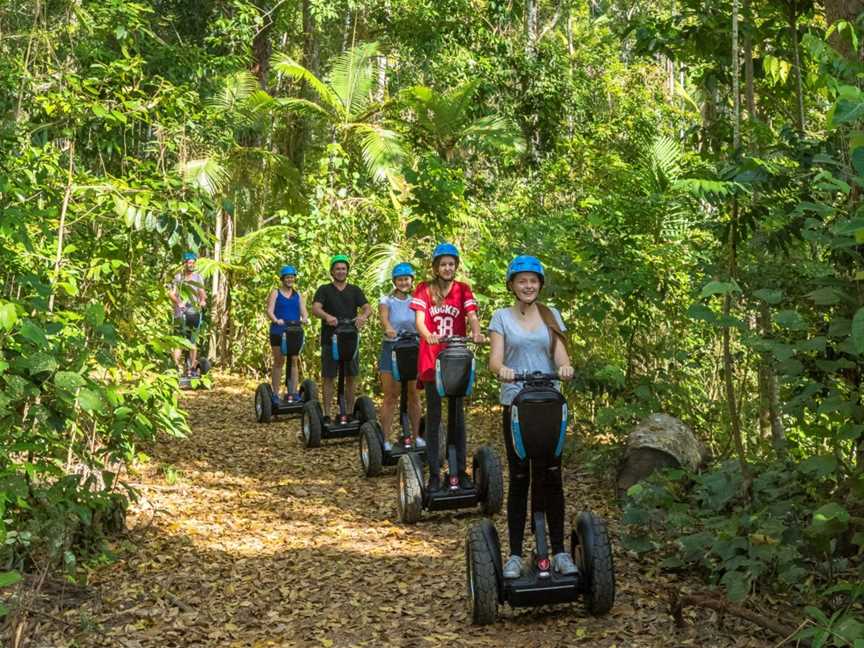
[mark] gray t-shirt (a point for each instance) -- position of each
(187, 290)
(524, 350)
(402, 318)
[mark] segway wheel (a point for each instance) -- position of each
(410, 478)
(364, 410)
(489, 479)
(480, 562)
(308, 391)
(311, 424)
(592, 552)
(204, 366)
(263, 403)
(371, 452)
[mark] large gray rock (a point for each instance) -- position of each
(658, 441)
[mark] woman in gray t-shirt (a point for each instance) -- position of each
(528, 337)
(397, 317)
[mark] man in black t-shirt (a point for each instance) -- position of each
(332, 302)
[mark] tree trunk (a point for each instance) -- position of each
(220, 348)
(532, 120)
(796, 63)
(262, 50)
(847, 10)
(749, 92)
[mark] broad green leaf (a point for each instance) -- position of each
(8, 578)
(857, 332)
(769, 295)
(69, 380)
(90, 400)
(8, 316)
(819, 466)
(719, 288)
(790, 319)
(829, 520)
(33, 332)
(826, 296)
(737, 585)
(40, 362)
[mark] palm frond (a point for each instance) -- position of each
(302, 107)
(382, 149)
(207, 174)
(286, 65)
(259, 101)
(497, 132)
(664, 162)
(233, 92)
(248, 250)
(352, 78)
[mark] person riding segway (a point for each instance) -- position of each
(528, 345)
(189, 301)
(337, 305)
(444, 308)
(397, 365)
(286, 310)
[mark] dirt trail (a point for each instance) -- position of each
(262, 543)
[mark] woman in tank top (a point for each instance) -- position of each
(284, 305)
(397, 317)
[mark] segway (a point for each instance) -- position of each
(345, 345)
(291, 403)
(454, 378)
(373, 453)
(538, 424)
(192, 321)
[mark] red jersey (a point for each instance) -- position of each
(448, 318)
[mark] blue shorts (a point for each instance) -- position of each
(385, 357)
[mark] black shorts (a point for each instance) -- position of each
(330, 367)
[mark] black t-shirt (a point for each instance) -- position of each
(341, 304)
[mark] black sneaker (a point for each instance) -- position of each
(465, 482)
(434, 484)
(326, 420)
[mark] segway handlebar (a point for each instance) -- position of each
(534, 377)
(457, 339)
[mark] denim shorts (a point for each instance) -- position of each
(385, 357)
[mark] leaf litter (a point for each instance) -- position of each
(260, 542)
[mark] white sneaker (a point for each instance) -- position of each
(563, 564)
(513, 567)
(419, 442)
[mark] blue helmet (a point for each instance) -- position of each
(402, 270)
(287, 270)
(189, 256)
(525, 263)
(445, 249)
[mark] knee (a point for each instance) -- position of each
(553, 476)
(520, 479)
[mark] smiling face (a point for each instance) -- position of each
(339, 272)
(288, 281)
(445, 267)
(189, 264)
(404, 284)
(526, 286)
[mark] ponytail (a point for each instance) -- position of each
(556, 335)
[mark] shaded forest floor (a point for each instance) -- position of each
(243, 538)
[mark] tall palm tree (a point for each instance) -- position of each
(346, 102)
(444, 122)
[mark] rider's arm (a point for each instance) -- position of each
(562, 361)
(318, 310)
(271, 307)
(365, 311)
(304, 314)
(384, 316)
(496, 352)
(174, 294)
(474, 322)
(425, 333)
(202, 297)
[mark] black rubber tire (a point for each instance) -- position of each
(263, 403)
(364, 410)
(480, 575)
(371, 450)
(489, 478)
(308, 391)
(311, 424)
(204, 366)
(592, 551)
(410, 482)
